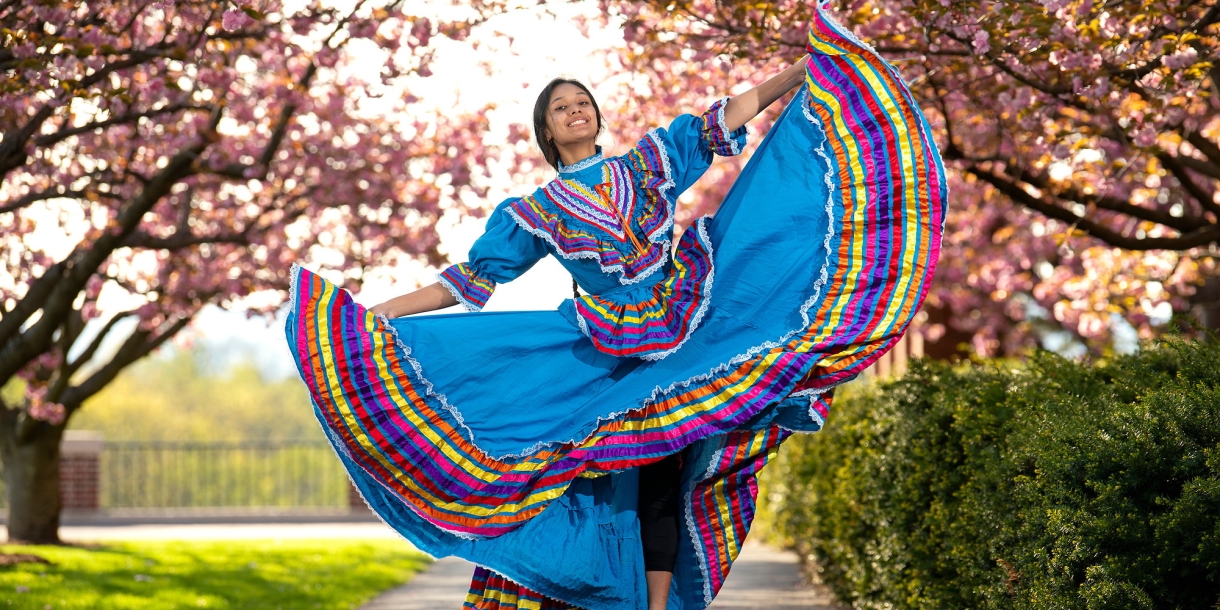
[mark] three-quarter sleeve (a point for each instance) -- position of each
(691, 141)
(501, 254)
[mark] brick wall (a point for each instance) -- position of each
(80, 470)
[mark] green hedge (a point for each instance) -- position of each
(1048, 484)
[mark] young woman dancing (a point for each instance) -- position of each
(604, 455)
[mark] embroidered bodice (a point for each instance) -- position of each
(610, 222)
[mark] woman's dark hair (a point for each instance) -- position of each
(549, 150)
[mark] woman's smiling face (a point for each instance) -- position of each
(570, 116)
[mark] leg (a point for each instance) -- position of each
(658, 511)
(658, 588)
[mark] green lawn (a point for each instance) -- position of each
(262, 575)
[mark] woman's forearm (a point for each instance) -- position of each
(746, 106)
(428, 298)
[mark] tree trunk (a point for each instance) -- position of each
(1205, 303)
(31, 479)
(954, 345)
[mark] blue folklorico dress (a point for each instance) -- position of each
(513, 439)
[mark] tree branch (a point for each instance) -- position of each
(1203, 167)
(1205, 146)
(179, 240)
(82, 264)
(993, 57)
(139, 344)
(238, 171)
(71, 329)
(1205, 21)
(31, 198)
(1182, 224)
(1199, 237)
(34, 299)
(52, 138)
(12, 147)
(96, 343)
(907, 50)
(1180, 172)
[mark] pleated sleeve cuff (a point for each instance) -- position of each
(467, 286)
(717, 136)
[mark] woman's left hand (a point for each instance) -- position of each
(384, 309)
(429, 298)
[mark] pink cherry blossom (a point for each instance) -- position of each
(234, 19)
(1103, 111)
(188, 156)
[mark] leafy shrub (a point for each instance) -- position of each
(1049, 484)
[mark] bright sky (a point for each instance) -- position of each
(521, 68)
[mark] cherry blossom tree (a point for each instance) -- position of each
(176, 153)
(1080, 135)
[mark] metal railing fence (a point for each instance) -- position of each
(284, 474)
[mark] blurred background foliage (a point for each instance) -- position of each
(183, 396)
(1045, 484)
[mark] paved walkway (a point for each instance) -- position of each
(762, 579)
(230, 531)
(441, 587)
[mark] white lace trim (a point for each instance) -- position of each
(814, 395)
(607, 220)
(701, 226)
(693, 530)
(586, 163)
(697, 544)
(657, 392)
(724, 129)
(290, 307)
(818, 285)
(659, 236)
(584, 326)
(339, 447)
(667, 169)
(928, 140)
(545, 236)
(844, 32)
(531, 586)
(429, 390)
(457, 294)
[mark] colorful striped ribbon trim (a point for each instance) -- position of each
(719, 139)
(887, 178)
(891, 186)
(379, 409)
(644, 175)
(720, 508)
(657, 326)
(491, 591)
(888, 198)
(467, 286)
(581, 201)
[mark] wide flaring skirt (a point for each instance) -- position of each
(509, 440)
